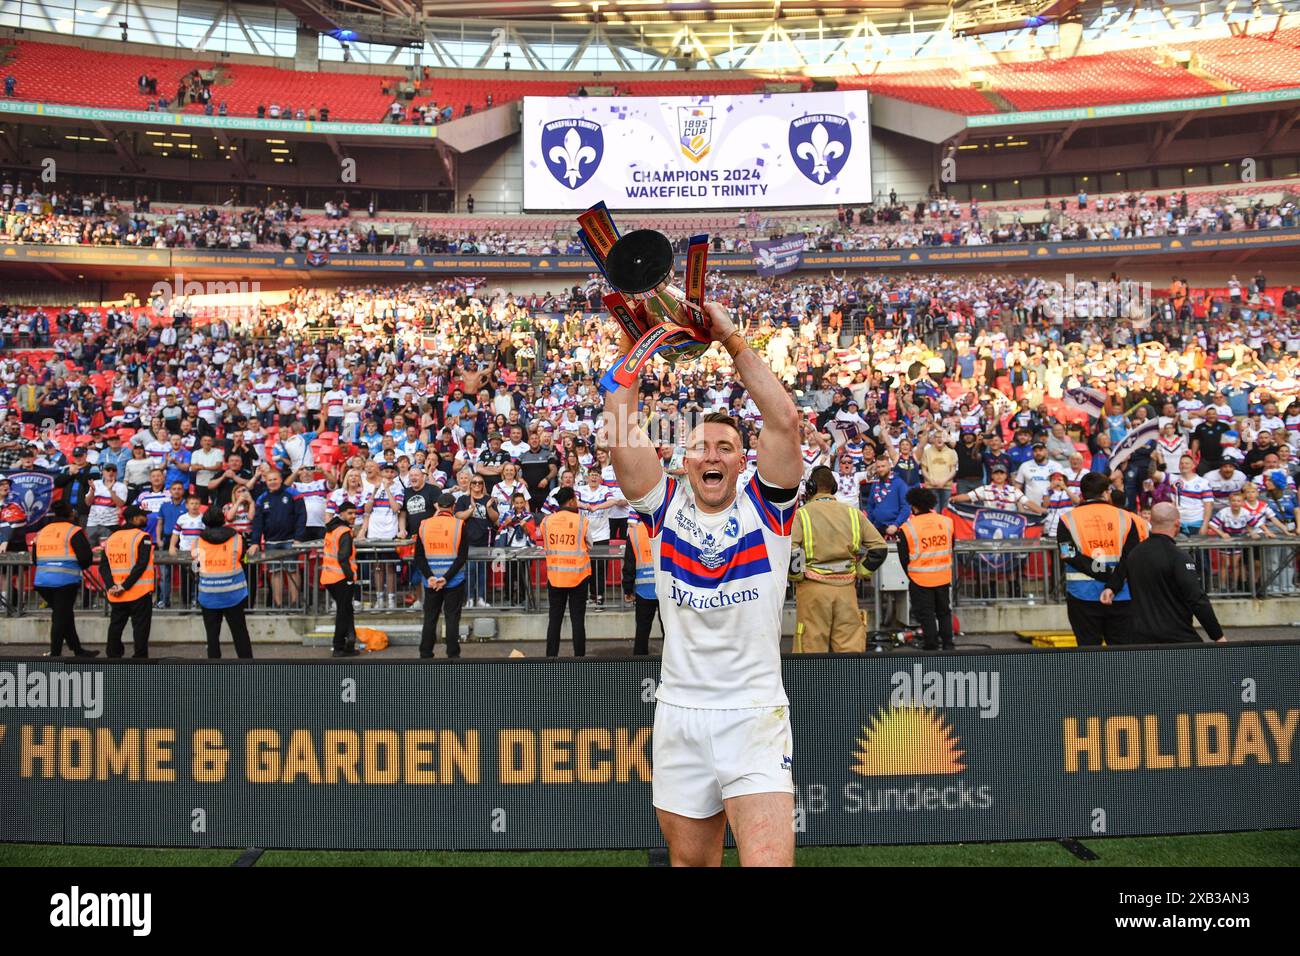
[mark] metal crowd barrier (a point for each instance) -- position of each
(1020, 571)
(287, 581)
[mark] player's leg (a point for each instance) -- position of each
(693, 842)
(686, 793)
(763, 824)
(753, 761)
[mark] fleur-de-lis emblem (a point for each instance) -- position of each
(820, 149)
(573, 154)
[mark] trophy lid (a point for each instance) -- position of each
(639, 261)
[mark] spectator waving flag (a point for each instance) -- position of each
(1083, 399)
(1134, 440)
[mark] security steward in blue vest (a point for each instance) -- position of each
(1093, 538)
(62, 553)
(223, 585)
(639, 582)
(441, 552)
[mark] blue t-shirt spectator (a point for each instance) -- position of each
(167, 516)
(1238, 399)
(176, 474)
(1018, 455)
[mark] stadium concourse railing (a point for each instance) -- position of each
(1019, 571)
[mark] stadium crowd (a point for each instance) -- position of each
(29, 216)
(993, 389)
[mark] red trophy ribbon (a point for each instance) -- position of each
(660, 318)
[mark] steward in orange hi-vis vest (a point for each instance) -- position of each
(338, 575)
(223, 583)
(441, 553)
(564, 535)
(1092, 539)
(62, 554)
(568, 566)
(929, 547)
(128, 571)
(121, 549)
(338, 553)
(925, 552)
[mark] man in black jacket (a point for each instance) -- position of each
(75, 482)
(1165, 586)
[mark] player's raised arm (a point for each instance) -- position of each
(779, 459)
(636, 463)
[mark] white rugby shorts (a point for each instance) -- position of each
(702, 757)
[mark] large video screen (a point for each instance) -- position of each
(691, 153)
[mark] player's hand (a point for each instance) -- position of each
(1107, 596)
(720, 324)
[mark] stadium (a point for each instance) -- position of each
(331, 290)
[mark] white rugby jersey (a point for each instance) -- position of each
(1237, 524)
(188, 527)
(336, 497)
(597, 521)
(1036, 479)
(1192, 494)
(314, 495)
(1005, 497)
(721, 581)
(1059, 504)
(812, 457)
(103, 513)
(1224, 487)
(610, 481)
(849, 487)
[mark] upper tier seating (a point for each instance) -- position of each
(57, 73)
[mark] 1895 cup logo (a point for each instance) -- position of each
(572, 149)
(695, 131)
(820, 145)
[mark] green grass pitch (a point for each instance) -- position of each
(1266, 848)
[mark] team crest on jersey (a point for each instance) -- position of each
(712, 552)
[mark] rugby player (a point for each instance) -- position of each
(722, 747)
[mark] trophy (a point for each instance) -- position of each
(660, 318)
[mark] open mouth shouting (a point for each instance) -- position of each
(713, 478)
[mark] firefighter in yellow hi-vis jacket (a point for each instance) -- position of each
(834, 545)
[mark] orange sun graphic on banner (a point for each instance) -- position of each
(903, 741)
